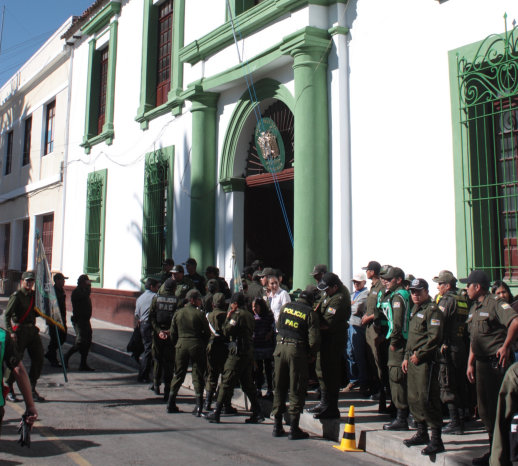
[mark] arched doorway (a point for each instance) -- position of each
(269, 175)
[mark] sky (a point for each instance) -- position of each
(27, 25)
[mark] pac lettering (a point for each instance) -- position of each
(291, 323)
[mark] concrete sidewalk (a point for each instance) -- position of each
(110, 341)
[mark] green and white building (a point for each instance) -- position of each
(294, 131)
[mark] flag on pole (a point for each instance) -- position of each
(45, 300)
(236, 276)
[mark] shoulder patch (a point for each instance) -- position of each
(396, 305)
(506, 306)
(442, 308)
(232, 322)
(331, 310)
(435, 322)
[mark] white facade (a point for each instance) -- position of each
(391, 158)
(34, 190)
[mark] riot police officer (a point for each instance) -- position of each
(298, 340)
(161, 314)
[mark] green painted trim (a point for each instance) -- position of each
(203, 176)
(248, 22)
(97, 279)
(110, 88)
(107, 134)
(265, 88)
(102, 18)
(338, 30)
(148, 110)
(230, 185)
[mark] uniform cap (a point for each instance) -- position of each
(319, 268)
(374, 266)
(359, 277)
(384, 269)
(193, 294)
(267, 271)
(477, 276)
(168, 262)
(191, 261)
(218, 300)
(409, 277)
(29, 275)
(419, 284)
(177, 269)
(393, 272)
(445, 276)
(212, 285)
(329, 279)
(60, 276)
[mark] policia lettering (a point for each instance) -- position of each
(298, 318)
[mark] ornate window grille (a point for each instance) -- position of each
(488, 116)
(155, 212)
(94, 229)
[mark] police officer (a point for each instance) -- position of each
(161, 314)
(377, 344)
(493, 327)
(454, 354)
(20, 322)
(239, 328)
(211, 290)
(298, 340)
(334, 311)
(217, 350)
(11, 360)
(54, 331)
(183, 283)
(393, 310)
(212, 272)
(81, 315)
(420, 365)
(195, 277)
(167, 266)
(190, 334)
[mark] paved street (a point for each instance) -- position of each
(105, 417)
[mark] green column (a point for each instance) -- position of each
(309, 49)
(110, 87)
(203, 177)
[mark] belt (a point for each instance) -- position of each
(290, 341)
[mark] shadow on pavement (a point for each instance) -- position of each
(43, 448)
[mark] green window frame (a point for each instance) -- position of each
(158, 210)
(93, 264)
(148, 110)
(239, 6)
(107, 16)
(484, 92)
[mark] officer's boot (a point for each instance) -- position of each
(400, 423)
(435, 446)
(257, 414)
(171, 403)
(228, 408)
(420, 437)
(278, 430)
(330, 409)
(215, 415)
(295, 432)
(455, 426)
(319, 406)
(199, 406)
(167, 388)
(209, 395)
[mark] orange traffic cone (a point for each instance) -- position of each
(348, 442)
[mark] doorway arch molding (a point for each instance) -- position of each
(264, 89)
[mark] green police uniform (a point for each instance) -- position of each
(487, 324)
(163, 306)
(27, 333)
(297, 340)
(217, 350)
(182, 287)
(239, 329)
(10, 358)
(506, 410)
(377, 344)
(393, 311)
(190, 334)
(81, 315)
(335, 312)
(424, 339)
(454, 357)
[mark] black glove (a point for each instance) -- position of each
(24, 430)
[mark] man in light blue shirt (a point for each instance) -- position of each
(142, 321)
